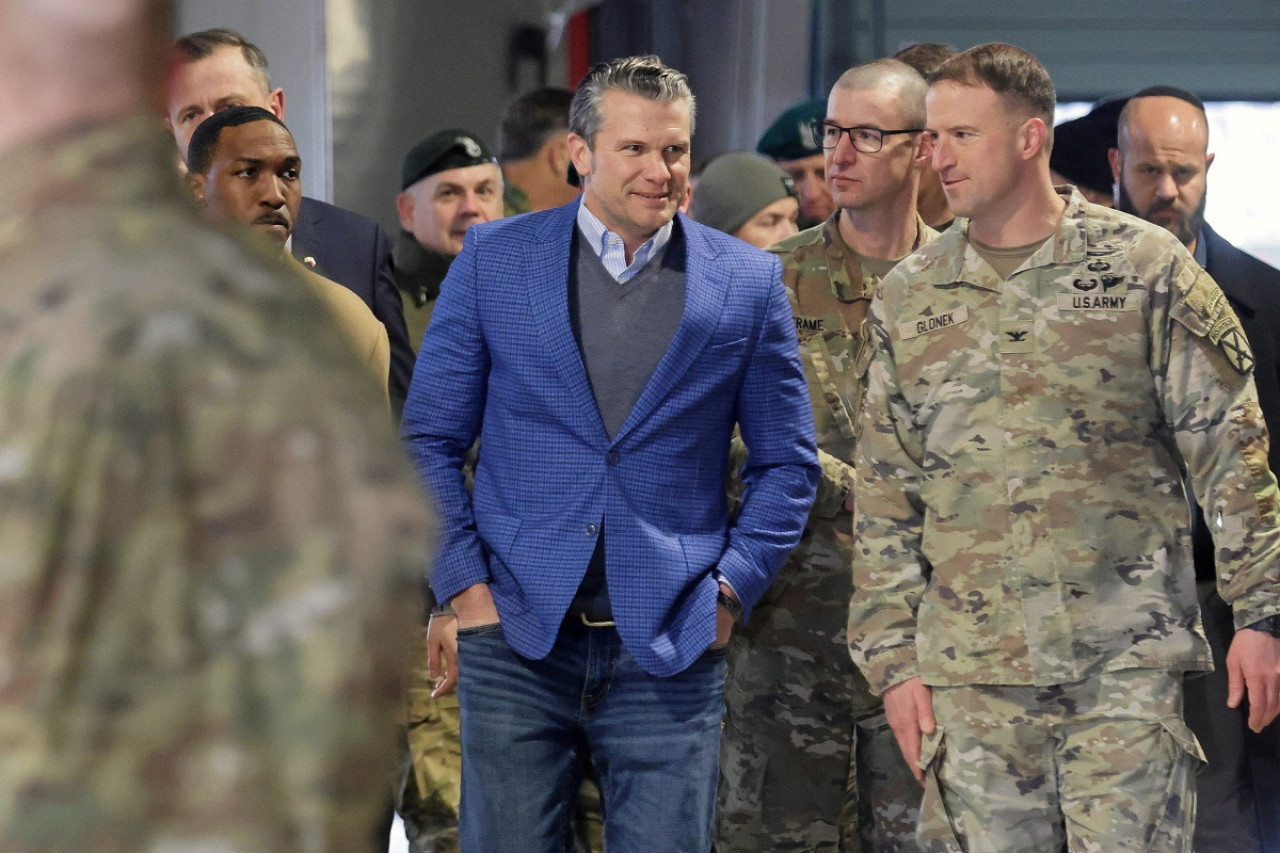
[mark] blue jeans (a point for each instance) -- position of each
(527, 724)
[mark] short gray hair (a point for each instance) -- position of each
(645, 76)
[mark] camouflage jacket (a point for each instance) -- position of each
(1020, 515)
(211, 539)
(829, 298)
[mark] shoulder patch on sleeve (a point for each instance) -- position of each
(1217, 322)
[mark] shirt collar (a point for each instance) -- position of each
(1201, 253)
(609, 247)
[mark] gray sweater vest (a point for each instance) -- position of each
(623, 330)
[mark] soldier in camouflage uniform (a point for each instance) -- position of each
(807, 760)
(1040, 377)
(212, 540)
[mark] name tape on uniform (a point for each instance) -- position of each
(1095, 302)
(818, 324)
(932, 323)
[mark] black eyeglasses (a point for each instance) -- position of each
(868, 140)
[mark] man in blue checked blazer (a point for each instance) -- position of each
(603, 353)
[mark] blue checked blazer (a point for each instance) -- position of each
(500, 361)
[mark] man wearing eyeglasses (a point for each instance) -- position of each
(808, 761)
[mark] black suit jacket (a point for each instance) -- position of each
(354, 251)
(1253, 289)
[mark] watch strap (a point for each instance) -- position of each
(728, 602)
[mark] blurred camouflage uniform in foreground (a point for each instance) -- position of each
(212, 541)
(808, 762)
(1021, 519)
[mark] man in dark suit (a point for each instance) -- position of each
(216, 69)
(1160, 165)
(604, 352)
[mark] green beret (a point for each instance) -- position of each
(789, 137)
(445, 149)
(735, 187)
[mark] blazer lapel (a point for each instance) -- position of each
(705, 289)
(548, 289)
(302, 244)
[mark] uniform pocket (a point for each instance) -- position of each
(1173, 818)
(938, 831)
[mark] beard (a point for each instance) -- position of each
(1185, 227)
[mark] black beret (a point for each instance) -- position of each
(445, 149)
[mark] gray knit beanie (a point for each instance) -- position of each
(735, 187)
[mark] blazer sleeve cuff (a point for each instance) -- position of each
(448, 583)
(743, 577)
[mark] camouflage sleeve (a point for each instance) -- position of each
(1212, 404)
(888, 567)
(834, 487)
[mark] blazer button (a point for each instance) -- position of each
(591, 529)
(612, 457)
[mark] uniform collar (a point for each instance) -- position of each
(844, 264)
(419, 270)
(1067, 245)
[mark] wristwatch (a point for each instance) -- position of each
(1267, 625)
(733, 605)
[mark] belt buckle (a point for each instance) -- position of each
(608, 623)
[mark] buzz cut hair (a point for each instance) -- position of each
(1009, 71)
(645, 76)
(531, 120)
(201, 45)
(890, 75)
(204, 142)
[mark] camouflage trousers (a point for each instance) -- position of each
(1099, 766)
(807, 761)
(431, 782)
(431, 777)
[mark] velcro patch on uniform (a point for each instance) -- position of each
(1096, 302)
(1222, 327)
(1013, 341)
(932, 323)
